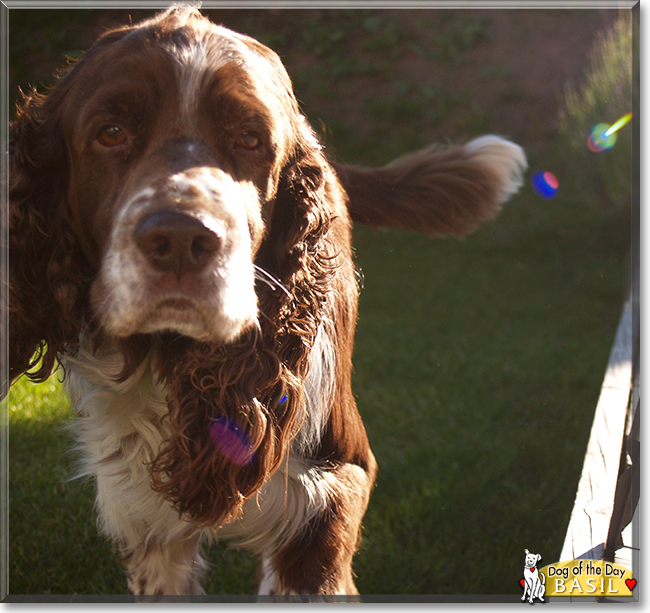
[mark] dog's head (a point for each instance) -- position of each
(145, 183)
(531, 559)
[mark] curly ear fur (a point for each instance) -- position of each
(245, 381)
(47, 272)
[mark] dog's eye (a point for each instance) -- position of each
(249, 141)
(111, 136)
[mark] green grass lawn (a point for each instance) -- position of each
(478, 370)
(478, 362)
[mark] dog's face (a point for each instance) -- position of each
(176, 135)
(531, 559)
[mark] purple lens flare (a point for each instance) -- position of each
(231, 441)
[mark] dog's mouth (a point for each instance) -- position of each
(176, 304)
(196, 319)
(177, 313)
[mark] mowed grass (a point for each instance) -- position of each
(478, 362)
(53, 542)
(478, 367)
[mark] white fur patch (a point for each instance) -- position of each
(269, 579)
(318, 387)
(119, 432)
(128, 295)
(504, 158)
(201, 58)
(294, 495)
(194, 63)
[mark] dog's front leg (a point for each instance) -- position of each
(318, 561)
(161, 552)
(305, 525)
(532, 590)
(119, 432)
(157, 569)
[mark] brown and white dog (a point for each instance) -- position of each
(534, 581)
(181, 244)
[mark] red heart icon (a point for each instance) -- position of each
(523, 583)
(630, 583)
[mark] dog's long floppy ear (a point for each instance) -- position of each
(437, 191)
(299, 253)
(47, 271)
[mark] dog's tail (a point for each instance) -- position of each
(436, 191)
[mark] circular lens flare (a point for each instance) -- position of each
(603, 136)
(599, 140)
(545, 184)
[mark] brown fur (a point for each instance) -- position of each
(460, 193)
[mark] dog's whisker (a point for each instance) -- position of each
(268, 279)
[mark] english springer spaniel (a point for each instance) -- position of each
(181, 245)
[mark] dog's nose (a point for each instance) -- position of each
(177, 242)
